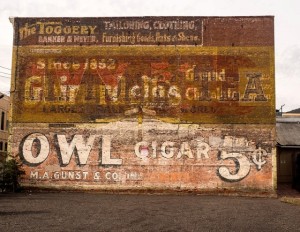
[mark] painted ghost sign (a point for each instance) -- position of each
(184, 90)
(201, 88)
(111, 78)
(228, 159)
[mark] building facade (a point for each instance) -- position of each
(4, 112)
(179, 103)
(288, 148)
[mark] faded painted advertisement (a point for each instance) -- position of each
(111, 31)
(206, 85)
(149, 102)
(155, 154)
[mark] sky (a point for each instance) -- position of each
(287, 28)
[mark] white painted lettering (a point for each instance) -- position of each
(34, 175)
(106, 159)
(202, 150)
(83, 148)
(35, 148)
(167, 149)
(140, 148)
(185, 150)
(242, 167)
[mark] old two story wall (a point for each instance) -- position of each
(179, 103)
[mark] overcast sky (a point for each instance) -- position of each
(287, 28)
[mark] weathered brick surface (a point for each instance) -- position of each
(145, 103)
(183, 157)
(239, 31)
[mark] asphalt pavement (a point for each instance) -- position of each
(85, 211)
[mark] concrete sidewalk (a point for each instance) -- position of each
(73, 211)
(287, 194)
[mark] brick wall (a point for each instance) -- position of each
(174, 103)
